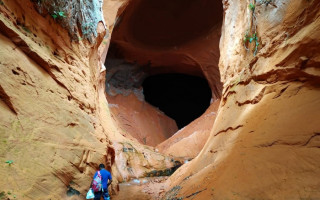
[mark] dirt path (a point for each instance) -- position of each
(141, 189)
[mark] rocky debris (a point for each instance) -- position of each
(172, 194)
(165, 172)
(134, 161)
(123, 77)
(142, 189)
(71, 191)
(128, 150)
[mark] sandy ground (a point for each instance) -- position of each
(141, 189)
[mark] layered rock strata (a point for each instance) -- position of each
(265, 141)
(55, 125)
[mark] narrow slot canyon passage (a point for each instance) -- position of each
(182, 97)
(178, 99)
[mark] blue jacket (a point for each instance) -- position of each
(105, 176)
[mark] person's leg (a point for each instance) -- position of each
(106, 195)
(97, 195)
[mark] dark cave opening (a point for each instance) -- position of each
(156, 43)
(182, 97)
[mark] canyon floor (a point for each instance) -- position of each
(142, 189)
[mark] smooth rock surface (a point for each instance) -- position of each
(265, 140)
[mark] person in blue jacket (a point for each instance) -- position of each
(106, 180)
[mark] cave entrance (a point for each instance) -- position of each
(164, 54)
(182, 97)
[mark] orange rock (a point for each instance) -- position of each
(140, 120)
(189, 141)
(56, 124)
(264, 143)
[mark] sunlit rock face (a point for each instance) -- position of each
(265, 140)
(49, 92)
(189, 141)
(55, 125)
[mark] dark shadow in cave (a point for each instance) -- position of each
(158, 26)
(166, 23)
(181, 97)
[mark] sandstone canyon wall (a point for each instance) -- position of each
(55, 123)
(265, 140)
(49, 124)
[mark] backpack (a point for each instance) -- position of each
(96, 184)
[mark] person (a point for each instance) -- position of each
(106, 180)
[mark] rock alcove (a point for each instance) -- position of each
(157, 47)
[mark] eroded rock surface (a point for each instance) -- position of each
(140, 121)
(56, 125)
(189, 141)
(55, 122)
(50, 127)
(179, 48)
(265, 140)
